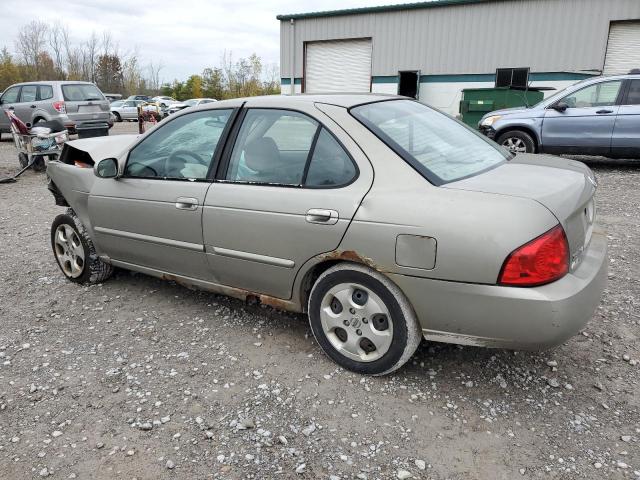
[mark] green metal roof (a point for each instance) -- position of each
(380, 9)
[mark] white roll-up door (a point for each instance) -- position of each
(338, 66)
(623, 50)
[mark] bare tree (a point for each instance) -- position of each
(56, 43)
(154, 81)
(31, 44)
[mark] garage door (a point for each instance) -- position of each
(338, 66)
(623, 50)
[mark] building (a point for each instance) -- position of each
(433, 50)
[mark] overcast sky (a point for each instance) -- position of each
(185, 35)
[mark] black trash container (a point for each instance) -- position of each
(92, 130)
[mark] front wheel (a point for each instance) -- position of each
(517, 141)
(74, 251)
(362, 320)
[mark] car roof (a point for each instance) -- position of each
(346, 100)
(53, 82)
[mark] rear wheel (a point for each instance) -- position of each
(74, 251)
(23, 159)
(362, 320)
(118, 117)
(38, 164)
(517, 141)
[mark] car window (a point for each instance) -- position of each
(117, 103)
(11, 95)
(633, 96)
(181, 149)
(81, 92)
(437, 146)
(330, 165)
(272, 147)
(130, 104)
(28, 93)
(45, 92)
(598, 95)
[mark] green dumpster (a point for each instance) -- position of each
(478, 101)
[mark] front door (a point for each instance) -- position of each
(586, 126)
(9, 99)
(26, 106)
(286, 192)
(152, 215)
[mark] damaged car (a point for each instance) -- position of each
(384, 220)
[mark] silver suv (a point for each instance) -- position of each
(75, 104)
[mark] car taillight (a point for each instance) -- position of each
(542, 260)
(60, 107)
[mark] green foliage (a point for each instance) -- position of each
(243, 78)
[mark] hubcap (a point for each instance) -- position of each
(515, 144)
(356, 322)
(69, 251)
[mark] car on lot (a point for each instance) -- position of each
(75, 104)
(192, 102)
(598, 116)
(383, 219)
(128, 109)
(144, 98)
(164, 101)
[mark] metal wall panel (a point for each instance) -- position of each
(546, 35)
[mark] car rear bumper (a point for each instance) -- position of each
(508, 317)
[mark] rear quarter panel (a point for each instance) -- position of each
(474, 231)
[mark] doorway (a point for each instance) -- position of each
(408, 84)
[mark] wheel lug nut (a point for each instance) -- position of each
(352, 310)
(364, 320)
(346, 323)
(359, 332)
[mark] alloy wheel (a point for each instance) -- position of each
(356, 322)
(69, 251)
(515, 144)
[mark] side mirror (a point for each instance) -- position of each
(560, 107)
(107, 168)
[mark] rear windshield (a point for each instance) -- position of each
(440, 148)
(81, 93)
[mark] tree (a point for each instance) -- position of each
(109, 75)
(213, 83)
(31, 44)
(9, 73)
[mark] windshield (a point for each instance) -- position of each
(117, 103)
(442, 149)
(191, 102)
(81, 93)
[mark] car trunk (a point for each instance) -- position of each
(565, 187)
(85, 103)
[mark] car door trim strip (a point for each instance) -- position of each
(254, 257)
(148, 238)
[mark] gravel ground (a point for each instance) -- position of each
(140, 378)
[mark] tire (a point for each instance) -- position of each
(23, 159)
(118, 117)
(517, 141)
(74, 251)
(381, 300)
(38, 164)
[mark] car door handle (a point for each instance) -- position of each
(186, 203)
(602, 112)
(322, 216)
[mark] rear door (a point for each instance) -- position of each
(626, 134)
(152, 215)
(84, 102)
(586, 126)
(287, 189)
